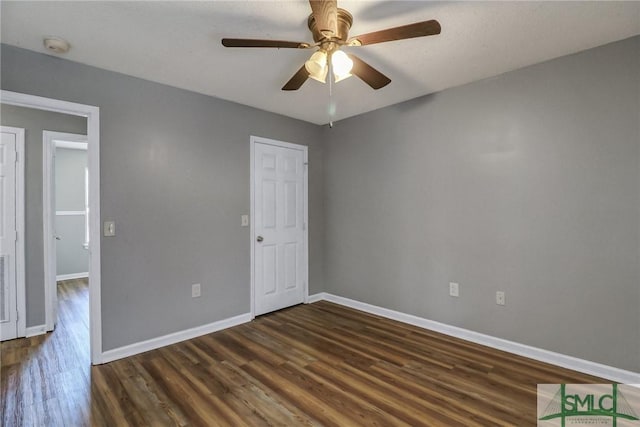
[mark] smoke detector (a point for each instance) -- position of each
(56, 44)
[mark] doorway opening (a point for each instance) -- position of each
(65, 215)
(91, 114)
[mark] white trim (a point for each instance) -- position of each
(70, 145)
(33, 331)
(569, 362)
(252, 229)
(261, 140)
(21, 305)
(93, 152)
(305, 159)
(253, 140)
(48, 230)
(72, 276)
(77, 141)
(321, 296)
(176, 337)
(21, 298)
(69, 213)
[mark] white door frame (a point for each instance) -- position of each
(92, 114)
(259, 140)
(20, 247)
(49, 144)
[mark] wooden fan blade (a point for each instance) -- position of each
(297, 80)
(325, 12)
(263, 43)
(368, 74)
(419, 29)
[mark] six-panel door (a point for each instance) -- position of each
(279, 227)
(8, 314)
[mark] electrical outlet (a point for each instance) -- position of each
(454, 289)
(195, 290)
(500, 298)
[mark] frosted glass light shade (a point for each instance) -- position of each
(317, 66)
(341, 64)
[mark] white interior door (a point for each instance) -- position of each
(8, 237)
(279, 229)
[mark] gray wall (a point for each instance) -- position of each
(528, 182)
(70, 171)
(34, 122)
(72, 257)
(175, 178)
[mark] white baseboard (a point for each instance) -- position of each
(316, 297)
(72, 276)
(154, 343)
(569, 362)
(32, 331)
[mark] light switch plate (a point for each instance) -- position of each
(109, 228)
(454, 289)
(244, 220)
(195, 290)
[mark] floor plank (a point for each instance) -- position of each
(310, 365)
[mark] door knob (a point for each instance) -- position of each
(58, 238)
(259, 239)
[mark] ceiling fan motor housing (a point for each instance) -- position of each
(345, 19)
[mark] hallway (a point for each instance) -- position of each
(27, 366)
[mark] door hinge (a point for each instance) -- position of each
(15, 235)
(17, 315)
(16, 157)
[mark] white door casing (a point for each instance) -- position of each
(12, 286)
(92, 114)
(279, 231)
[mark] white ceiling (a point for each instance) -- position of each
(178, 43)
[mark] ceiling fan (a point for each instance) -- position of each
(330, 26)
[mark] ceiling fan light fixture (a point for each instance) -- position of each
(341, 65)
(317, 66)
(340, 77)
(320, 76)
(329, 26)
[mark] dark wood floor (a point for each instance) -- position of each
(44, 380)
(318, 364)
